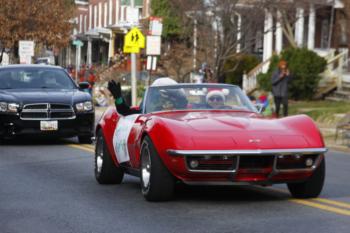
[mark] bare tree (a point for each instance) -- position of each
(177, 61)
(212, 33)
(227, 28)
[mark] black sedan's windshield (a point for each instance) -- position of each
(33, 78)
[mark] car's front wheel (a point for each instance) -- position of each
(157, 183)
(312, 187)
(106, 172)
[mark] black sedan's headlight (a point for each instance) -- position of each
(9, 107)
(84, 106)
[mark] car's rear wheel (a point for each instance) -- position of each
(313, 186)
(85, 139)
(157, 183)
(106, 172)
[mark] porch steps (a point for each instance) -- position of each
(341, 95)
(325, 90)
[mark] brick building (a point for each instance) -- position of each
(101, 26)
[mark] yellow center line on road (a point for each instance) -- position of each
(321, 206)
(315, 203)
(82, 147)
(88, 145)
(332, 202)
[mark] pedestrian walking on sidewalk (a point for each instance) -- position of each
(280, 79)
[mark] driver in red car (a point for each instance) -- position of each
(125, 109)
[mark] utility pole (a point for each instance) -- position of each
(133, 71)
(195, 41)
(77, 62)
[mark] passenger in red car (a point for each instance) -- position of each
(216, 100)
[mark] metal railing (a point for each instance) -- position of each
(336, 66)
(250, 80)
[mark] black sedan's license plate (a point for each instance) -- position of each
(48, 125)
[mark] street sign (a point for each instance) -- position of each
(26, 48)
(78, 43)
(131, 49)
(153, 45)
(151, 63)
(26, 51)
(132, 15)
(135, 38)
(156, 26)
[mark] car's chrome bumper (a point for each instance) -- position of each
(266, 162)
(247, 152)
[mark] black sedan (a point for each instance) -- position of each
(43, 100)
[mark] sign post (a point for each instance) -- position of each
(78, 44)
(134, 41)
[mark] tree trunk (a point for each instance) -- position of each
(1, 55)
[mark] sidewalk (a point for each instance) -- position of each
(329, 138)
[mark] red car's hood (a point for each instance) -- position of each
(234, 130)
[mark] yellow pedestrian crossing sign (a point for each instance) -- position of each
(134, 41)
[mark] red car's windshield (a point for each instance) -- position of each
(194, 96)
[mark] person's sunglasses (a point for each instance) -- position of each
(216, 98)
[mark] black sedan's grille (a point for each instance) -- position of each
(60, 106)
(36, 115)
(47, 111)
(35, 106)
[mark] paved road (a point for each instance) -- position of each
(49, 186)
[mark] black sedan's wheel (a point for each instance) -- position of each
(106, 172)
(157, 184)
(313, 186)
(85, 139)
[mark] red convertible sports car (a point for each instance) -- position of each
(207, 134)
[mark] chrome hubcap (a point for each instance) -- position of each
(99, 155)
(146, 167)
(99, 163)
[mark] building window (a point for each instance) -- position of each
(128, 2)
(125, 2)
(139, 3)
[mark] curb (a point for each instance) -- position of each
(339, 148)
